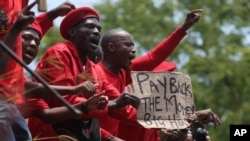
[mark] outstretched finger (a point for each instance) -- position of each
(216, 120)
(196, 11)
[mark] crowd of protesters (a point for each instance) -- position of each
(92, 79)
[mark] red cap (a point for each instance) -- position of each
(36, 26)
(165, 66)
(76, 16)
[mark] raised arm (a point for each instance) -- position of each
(165, 48)
(25, 17)
(45, 20)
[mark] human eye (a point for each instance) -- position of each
(27, 37)
(89, 26)
(99, 28)
(37, 41)
(129, 44)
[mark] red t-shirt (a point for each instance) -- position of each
(128, 125)
(165, 66)
(43, 129)
(44, 22)
(11, 82)
(61, 65)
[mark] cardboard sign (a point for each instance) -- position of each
(166, 99)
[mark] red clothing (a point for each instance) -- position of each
(61, 65)
(147, 62)
(9, 11)
(165, 66)
(25, 3)
(42, 129)
(29, 106)
(11, 82)
(45, 130)
(41, 24)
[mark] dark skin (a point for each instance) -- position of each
(199, 119)
(114, 43)
(119, 44)
(96, 55)
(204, 117)
(85, 36)
(57, 114)
(30, 44)
(31, 38)
(173, 135)
(25, 17)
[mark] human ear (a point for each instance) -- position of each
(111, 47)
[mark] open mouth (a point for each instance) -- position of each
(95, 40)
(30, 54)
(131, 57)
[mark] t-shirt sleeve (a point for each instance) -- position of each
(45, 22)
(53, 68)
(159, 53)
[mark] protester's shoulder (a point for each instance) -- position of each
(58, 47)
(99, 70)
(103, 68)
(98, 67)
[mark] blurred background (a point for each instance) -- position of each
(215, 53)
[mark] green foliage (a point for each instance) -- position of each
(213, 54)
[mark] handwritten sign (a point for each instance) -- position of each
(166, 99)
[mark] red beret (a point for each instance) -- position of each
(36, 26)
(76, 16)
(165, 66)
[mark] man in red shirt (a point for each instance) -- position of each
(31, 37)
(12, 124)
(118, 48)
(67, 64)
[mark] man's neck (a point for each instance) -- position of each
(113, 68)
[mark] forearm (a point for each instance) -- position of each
(37, 90)
(57, 114)
(11, 37)
(159, 53)
(52, 14)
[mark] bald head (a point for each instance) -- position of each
(118, 50)
(113, 36)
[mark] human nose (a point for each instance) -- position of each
(33, 43)
(133, 50)
(96, 31)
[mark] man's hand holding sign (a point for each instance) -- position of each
(166, 99)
